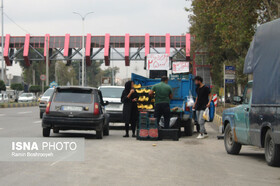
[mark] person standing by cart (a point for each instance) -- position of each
(129, 99)
(202, 102)
(163, 94)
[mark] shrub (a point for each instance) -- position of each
(17, 86)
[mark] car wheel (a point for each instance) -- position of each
(231, 146)
(189, 128)
(56, 131)
(272, 150)
(99, 133)
(106, 131)
(46, 132)
(41, 115)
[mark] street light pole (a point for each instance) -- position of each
(47, 62)
(83, 45)
(2, 39)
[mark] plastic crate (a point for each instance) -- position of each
(153, 123)
(172, 134)
(143, 115)
(153, 133)
(142, 134)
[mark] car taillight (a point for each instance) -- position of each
(48, 107)
(96, 109)
(188, 109)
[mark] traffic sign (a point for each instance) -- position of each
(229, 81)
(229, 69)
(10, 76)
(229, 74)
(53, 84)
(43, 77)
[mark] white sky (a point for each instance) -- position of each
(116, 17)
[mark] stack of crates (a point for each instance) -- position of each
(153, 128)
(143, 132)
(148, 128)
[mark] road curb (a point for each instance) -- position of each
(16, 105)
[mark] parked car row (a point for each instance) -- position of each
(27, 97)
(3, 98)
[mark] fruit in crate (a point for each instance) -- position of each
(149, 107)
(137, 86)
(146, 99)
(139, 91)
(147, 90)
(141, 106)
(141, 99)
(153, 100)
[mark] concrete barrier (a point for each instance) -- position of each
(16, 105)
(219, 122)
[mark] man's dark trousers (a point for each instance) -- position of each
(163, 109)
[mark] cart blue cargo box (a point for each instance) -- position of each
(181, 88)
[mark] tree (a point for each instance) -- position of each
(65, 74)
(2, 86)
(16, 86)
(35, 89)
(269, 10)
(94, 72)
(108, 73)
(225, 29)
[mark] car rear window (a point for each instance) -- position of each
(73, 96)
(108, 92)
(49, 92)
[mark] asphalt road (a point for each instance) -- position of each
(118, 161)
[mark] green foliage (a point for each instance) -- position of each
(35, 88)
(224, 28)
(95, 73)
(65, 74)
(17, 86)
(2, 86)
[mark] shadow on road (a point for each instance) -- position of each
(74, 135)
(258, 156)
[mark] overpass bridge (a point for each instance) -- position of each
(106, 47)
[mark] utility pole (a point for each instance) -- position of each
(55, 73)
(224, 85)
(2, 40)
(47, 62)
(33, 76)
(278, 10)
(83, 45)
(113, 74)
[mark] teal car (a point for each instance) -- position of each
(247, 124)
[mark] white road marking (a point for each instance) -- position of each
(37, 121)
(24, 112)
(2, 115)
(60, 159)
